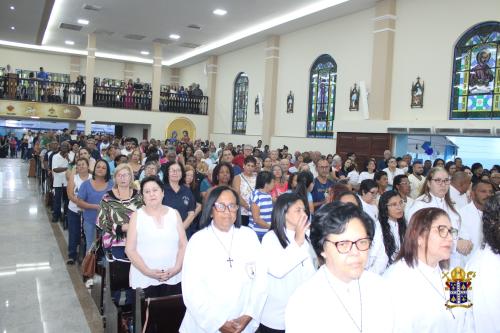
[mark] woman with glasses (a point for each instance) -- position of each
(223, 283)
(341, 296)
(392, 223)
(288, 258)
(156, 242)
(416, 278)
(368, 193)
(402, 185)
(436, 193)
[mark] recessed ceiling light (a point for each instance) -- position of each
(174, 36)
(12, 28)
(82, 21)
(220, 12)
(12, 8)
(69, 42)
(145, 52)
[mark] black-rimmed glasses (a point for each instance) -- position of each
(444, 231)
(221, 207)
(362, 244)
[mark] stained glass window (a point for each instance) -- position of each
(322, 87)
(240, 104)
(476, 74)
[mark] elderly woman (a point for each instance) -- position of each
(156, 242)
(223, 283)
(341, 235)
(115, 209)
(288, 258)
(427, 245)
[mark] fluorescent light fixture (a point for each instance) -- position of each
(220, 12)
(83, 21)
(274, 22)
(174, 36)
(69, 42)
(34, 117)
(12, 7)
(13, 28)
(145, 52)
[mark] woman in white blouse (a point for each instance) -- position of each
(436, 193)
(288, 258)
(393, 224)
(369, 171)
(392, 170)
(415, 280)
(156, 242)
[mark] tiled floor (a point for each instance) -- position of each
(36, 292)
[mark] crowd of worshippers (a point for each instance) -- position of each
(264, 239)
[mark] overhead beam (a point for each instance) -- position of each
(47, 9)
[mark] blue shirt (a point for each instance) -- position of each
(42, 76)
(265, 203)
(183, 200)
(320, 190)
(236, 169)
(87, 193)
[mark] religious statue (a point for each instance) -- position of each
(257, 111)
(354, 99)
(417, 94)
(481, 75)
(289, 103)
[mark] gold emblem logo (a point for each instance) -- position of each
(458, 283)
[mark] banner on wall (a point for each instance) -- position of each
(39, 110)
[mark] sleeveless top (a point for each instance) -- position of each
(77, 181)
(157, 247)
(247, 186)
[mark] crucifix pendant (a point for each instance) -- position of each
(230, 261)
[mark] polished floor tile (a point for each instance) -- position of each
(36, 292)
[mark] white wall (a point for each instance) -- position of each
(135, 130)
(31, 60)
(426, 32)
(349, 40)
(194, 73)
(251, 61)
(144, 72)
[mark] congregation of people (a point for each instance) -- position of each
(260, 239)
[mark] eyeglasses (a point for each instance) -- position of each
(399, 204)
(444, 231)
(440, 181)
(174, 171)
(221, 207)
(404, 183)
(362, 244)
(123, 175)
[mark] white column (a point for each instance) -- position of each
(157, 58)
(88, 126)
(270, 87)
(211, 87)
(89, 91)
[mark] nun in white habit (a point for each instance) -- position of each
(223, 284)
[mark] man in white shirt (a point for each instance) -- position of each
(341, 296)
(416, 179)
(60, 163)
(472, 215)
(460, 183)
(128, 149)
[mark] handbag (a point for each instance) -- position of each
(89, 262)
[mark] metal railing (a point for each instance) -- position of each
(122, 98)
(35, 90)
(172, 102)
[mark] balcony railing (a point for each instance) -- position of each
(172, 102)
(35, 90)
(121, 98)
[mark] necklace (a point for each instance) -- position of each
(229, 259)
(359, 327)
(120, 195)
(434, 287)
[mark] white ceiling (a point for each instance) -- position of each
(158, 19)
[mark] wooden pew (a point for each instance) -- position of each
(117, 278)
(164, 313)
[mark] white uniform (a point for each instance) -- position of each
(391, 175)
(460, 199)
(416, 185)
(472, 226)
(365, 175)
(216, 290)
(419, 298)
(377, 260)
(327, 304)
(485, 293)
(287, 269)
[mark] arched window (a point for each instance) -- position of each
(322, 87)
(475, 92)
(240, 104)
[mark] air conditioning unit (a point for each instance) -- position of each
(397, 130)
(423, 130)
(447, 131)
(477, 131)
